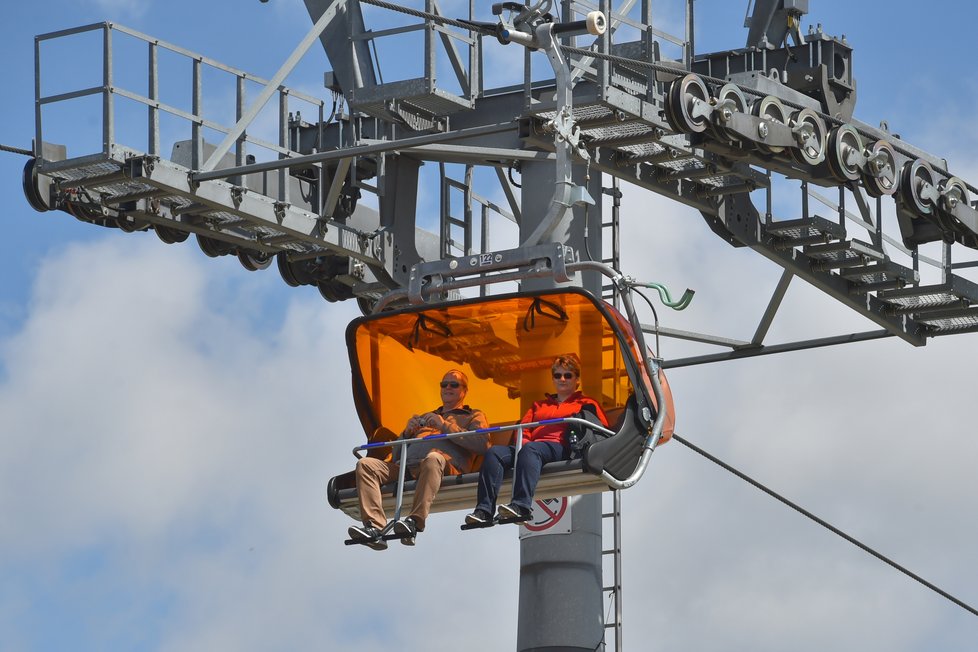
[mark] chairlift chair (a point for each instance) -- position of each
(505, 344)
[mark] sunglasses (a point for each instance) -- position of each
(449, 383)
(566, 376)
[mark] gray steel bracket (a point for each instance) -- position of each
(528, 262)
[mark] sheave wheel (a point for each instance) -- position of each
(843, 142)
(684, 95)
(883, 180)
(212, 247)
(254, 260)
(286, 271)
(953, 191)
(917, 176)
(731, 100)
(169, 235)
(811, 137)
(771, 109)
(31, 190)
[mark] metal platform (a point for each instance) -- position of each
(636, 115)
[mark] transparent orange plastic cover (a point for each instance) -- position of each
(505, 345)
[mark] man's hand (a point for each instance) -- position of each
(414, 424)
(433, 420)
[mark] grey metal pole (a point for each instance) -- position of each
(561, 597)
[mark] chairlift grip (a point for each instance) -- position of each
(662, 408)
(426, 278)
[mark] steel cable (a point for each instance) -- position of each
(827, 525)
(417, 13)
(15, 150)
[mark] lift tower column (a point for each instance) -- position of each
(561, 596)
(561, 593)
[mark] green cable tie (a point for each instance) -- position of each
(666, 298)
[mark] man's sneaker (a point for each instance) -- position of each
(368, 536)
(478, 517)
(513, 512)
(406, 529)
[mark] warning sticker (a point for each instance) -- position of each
(550, 516)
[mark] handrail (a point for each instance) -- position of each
(480, 431)
(150, 101)
(518, 427)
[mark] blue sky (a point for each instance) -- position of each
(168, 422)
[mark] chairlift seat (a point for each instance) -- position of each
(505, 345)
(561, 478)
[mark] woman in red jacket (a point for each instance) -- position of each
(541, 445)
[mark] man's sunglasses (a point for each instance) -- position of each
(565, 376)
(449, 383)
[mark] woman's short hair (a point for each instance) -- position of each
(567, 362)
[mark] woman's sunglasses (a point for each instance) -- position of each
(449, 383)
(565, 376)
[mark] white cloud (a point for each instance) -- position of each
(165, 445)
(159, 445)
(874, 438)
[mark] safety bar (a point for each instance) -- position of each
(480, 431)
(518, 427)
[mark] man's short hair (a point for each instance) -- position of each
(461, 376)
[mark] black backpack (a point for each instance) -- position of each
(581, 437)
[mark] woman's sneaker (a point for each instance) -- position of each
(478, 517)
(513, 512)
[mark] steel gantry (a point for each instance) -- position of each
(600, 91)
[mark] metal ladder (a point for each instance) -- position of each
(466, 217)
(610, 233)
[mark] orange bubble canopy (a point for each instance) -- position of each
(504, 344)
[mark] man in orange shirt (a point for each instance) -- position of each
(428, 462)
